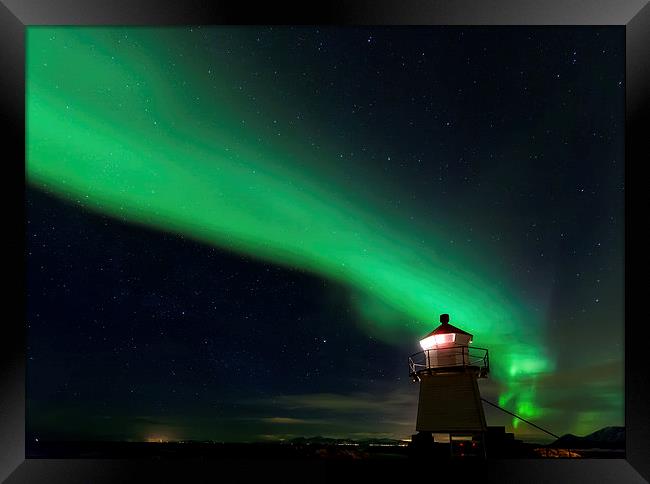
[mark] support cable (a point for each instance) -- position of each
(520, 418)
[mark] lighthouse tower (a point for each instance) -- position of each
(450, 413)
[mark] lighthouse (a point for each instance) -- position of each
(450, 416)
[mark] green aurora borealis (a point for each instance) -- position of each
(142, 124)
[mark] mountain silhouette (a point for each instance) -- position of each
(605, 438)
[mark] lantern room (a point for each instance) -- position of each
(446, 348)
(445, 335)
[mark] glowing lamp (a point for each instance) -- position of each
(436, 340)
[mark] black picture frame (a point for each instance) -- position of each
(15, 15)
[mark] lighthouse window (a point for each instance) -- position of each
(437, 340)
(445, 338)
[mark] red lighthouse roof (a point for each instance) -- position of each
(446, 328)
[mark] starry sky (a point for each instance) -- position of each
(241, 233)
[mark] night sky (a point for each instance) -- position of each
(241, 233)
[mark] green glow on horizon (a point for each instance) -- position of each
(170, 147)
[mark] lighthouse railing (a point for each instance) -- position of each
(447, 358)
